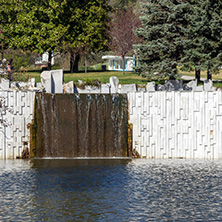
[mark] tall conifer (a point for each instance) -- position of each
(164, 32)
(205, 33)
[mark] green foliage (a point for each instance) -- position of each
(21, 76)
(54, 25)
(85, 22)
(21, 60)
(121, 3)
(204, 50)
(164, 25)
(90, 82)
(174, 31)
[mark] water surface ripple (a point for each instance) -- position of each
(110, 190)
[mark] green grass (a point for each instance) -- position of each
(102, 76)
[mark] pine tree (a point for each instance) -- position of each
(205, 33)
(164, 33)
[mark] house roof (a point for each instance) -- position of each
(115, 57)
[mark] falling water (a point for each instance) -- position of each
(71, 125)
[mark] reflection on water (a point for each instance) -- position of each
(110, 190)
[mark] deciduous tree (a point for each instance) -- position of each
(57, 25)
(86, 23)
(121, 32)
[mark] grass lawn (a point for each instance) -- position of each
(102, 76)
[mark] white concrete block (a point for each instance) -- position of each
(208, 85)
(114, 82)
(52, 81)
(105, 88)
(46, 81)
(4, 84)
(151, 86)
(68, 87)
(57, 81)
(19, 113)
(125, 88)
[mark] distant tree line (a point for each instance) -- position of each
(168, 33)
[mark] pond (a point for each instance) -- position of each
(110, 190)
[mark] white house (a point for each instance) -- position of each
(116, 63)
(43, 60)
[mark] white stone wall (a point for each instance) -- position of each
(14, 137)
(165, 124)
(177, 124)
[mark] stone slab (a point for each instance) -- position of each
(151, 86)
(105, 88)
(4, 85)
(68, 87)
(208, 85)
(52, 81)
(114, 82)
(127, 88)
(57, 81)
(173, 85)
(46, 81)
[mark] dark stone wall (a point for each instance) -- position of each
(71, 125)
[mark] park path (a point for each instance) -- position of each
(191, 78)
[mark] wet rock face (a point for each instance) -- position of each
(70, 125)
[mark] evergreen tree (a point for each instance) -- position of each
(205, 34)
(164, 34)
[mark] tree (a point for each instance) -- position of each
(7, 14)
(121, 32)
(56, 25)
(205, 47)
(86, 23)
(121, 3)
(37, 26)
(164, 25)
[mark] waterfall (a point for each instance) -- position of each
(86, 125)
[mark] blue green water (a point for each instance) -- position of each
(110, 190)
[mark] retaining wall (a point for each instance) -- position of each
(165, 124)
(177, 124)
(19, 113)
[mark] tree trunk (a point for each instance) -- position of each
(72, 56)
(123, 60)
(209, 76)
(197, 74)
(74, 62)
(2, 52)
(85, 64)
(50, 60)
